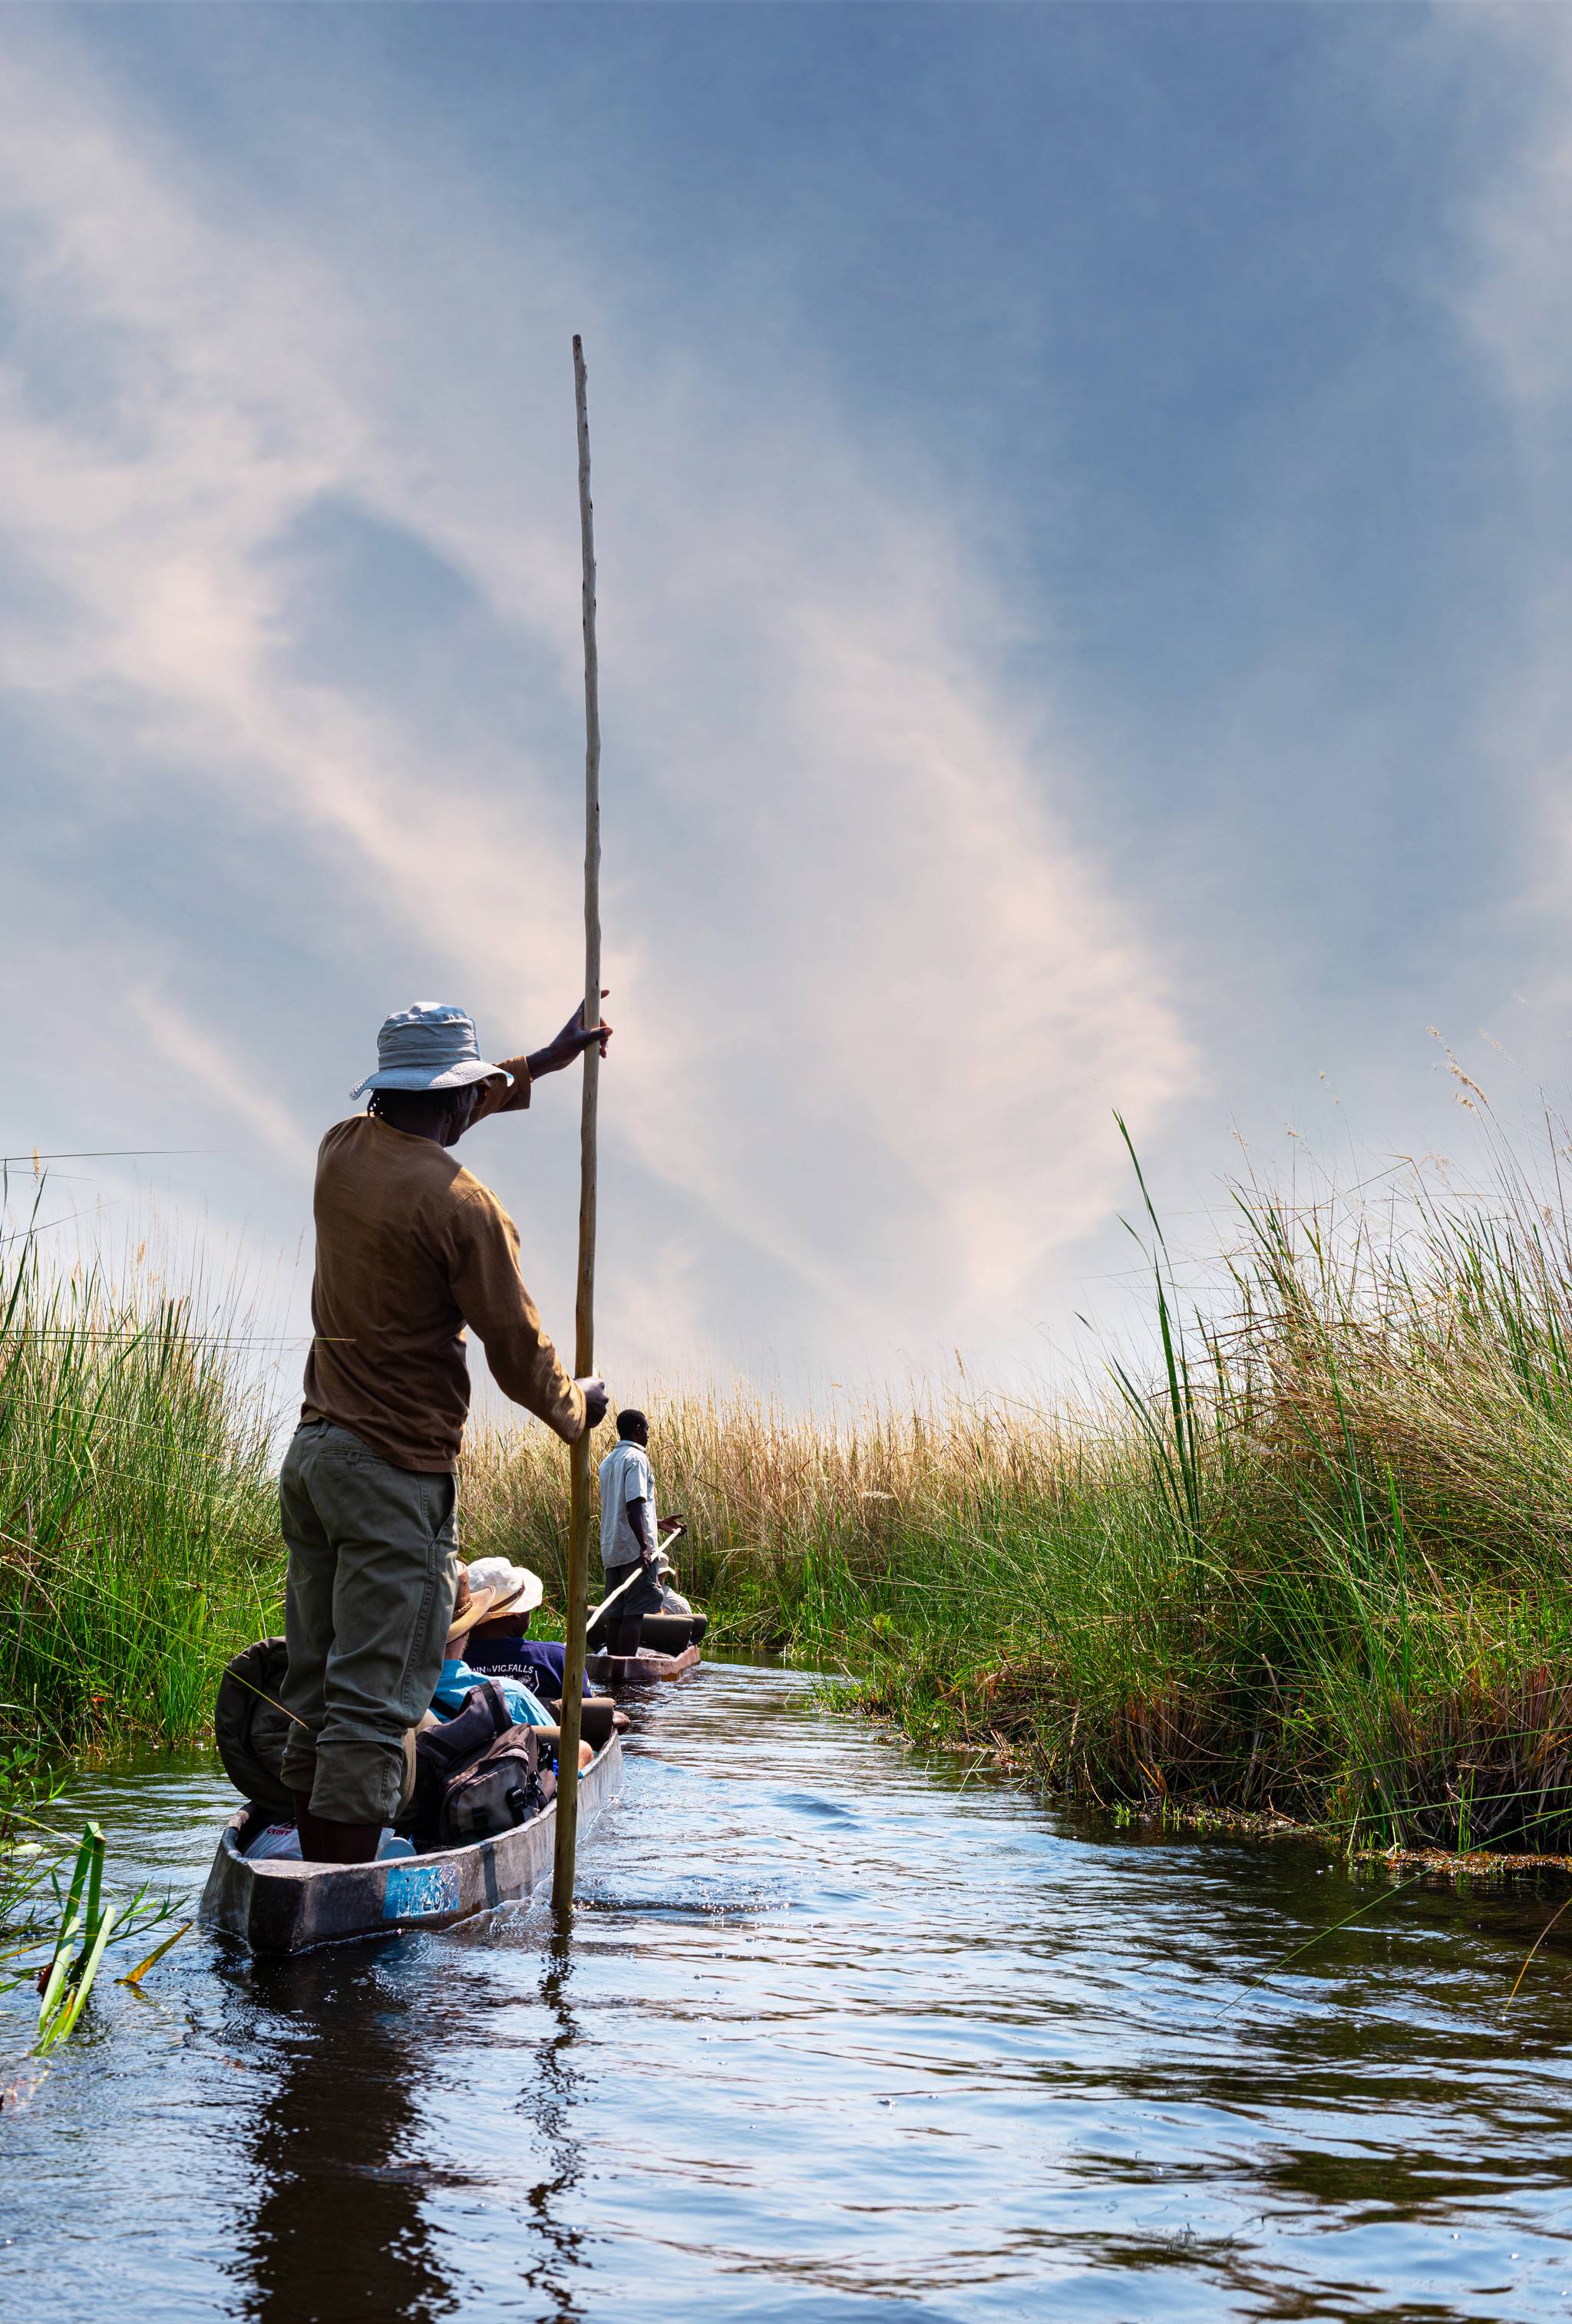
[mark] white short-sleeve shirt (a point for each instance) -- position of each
(625, 1475)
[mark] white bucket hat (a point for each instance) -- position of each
(428, 1046)
(515, 1589)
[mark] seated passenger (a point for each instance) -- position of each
(501, 1646)
(457, 1678)
(672, 1601)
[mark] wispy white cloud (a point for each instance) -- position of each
(197, 1058)
(1517, 298)
(1513, 301)
(877, 999)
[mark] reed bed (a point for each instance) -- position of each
(138, 1533)
(1316, 1566)
(1318, 1569)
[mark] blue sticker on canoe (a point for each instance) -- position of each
(413, 1891)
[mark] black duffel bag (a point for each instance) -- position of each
(505, 1786)
(444, 1751)
(251, 1727)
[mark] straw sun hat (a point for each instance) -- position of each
(491, 1586)
(469, 1607)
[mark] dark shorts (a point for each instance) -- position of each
(645, 1597)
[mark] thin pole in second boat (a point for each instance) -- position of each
(584, 1338)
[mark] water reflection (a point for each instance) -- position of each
(839, 2038)
(553, 2268)
(346, 2046)
(338, 2229)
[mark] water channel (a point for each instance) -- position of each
(843, 2036)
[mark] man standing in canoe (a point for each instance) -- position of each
(409, 1249)
(630, 1535)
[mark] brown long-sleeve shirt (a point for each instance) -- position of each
(409, 1249)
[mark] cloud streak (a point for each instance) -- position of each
(874, 997)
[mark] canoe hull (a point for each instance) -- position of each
(643, 1669)
(659, 1634)
(284, 1907)
(671, 1634)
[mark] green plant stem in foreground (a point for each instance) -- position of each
(89, 1923)
(63, 1942)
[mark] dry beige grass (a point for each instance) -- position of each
(1319, 1569)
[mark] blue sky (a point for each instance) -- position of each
(1080, 495)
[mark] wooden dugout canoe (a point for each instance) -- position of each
(643, 1669)
(284, 1906)
(660, 1633)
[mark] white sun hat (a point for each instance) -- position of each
(430, 1046)
(517, 1591)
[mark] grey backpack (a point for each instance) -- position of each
(443, 1751)
(505, 1786)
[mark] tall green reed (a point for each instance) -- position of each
(1317, 1566)
(138, 1546)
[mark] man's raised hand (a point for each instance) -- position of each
(571, 1042)
(597, 1400)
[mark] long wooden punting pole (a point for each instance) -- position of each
(584, 1338)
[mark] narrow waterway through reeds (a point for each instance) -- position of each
(844, 2035)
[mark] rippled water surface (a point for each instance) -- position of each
(841, 2035)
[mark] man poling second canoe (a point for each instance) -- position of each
(411, 1249)
(630, 1535)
